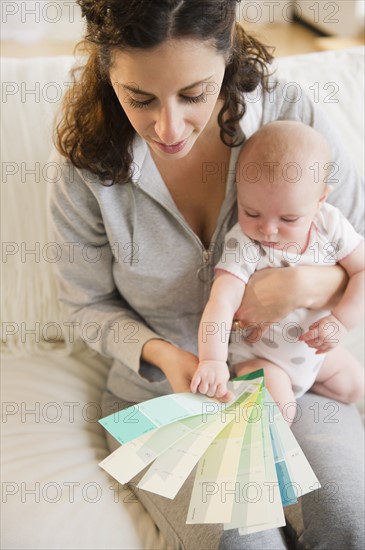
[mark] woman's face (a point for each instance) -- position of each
(170, 93)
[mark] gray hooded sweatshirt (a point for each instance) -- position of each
(132, 269)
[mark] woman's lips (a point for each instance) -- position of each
(175, 148)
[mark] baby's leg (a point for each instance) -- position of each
(341, 377)
(277, 382)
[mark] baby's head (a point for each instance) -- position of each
(281, 182)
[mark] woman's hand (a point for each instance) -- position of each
(178, 365)
(180, 371)
(271, 294)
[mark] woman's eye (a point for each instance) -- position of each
(195, 99)
(143, 104)
(138, 104)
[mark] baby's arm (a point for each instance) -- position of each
(326, 333)
(212, 374)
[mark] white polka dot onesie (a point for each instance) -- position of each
(330, 240)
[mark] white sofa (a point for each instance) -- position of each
(54, 495)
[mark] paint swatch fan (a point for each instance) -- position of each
(249, 464)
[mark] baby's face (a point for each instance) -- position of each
(277, 214)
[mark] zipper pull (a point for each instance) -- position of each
(205, 272)
(206, 256)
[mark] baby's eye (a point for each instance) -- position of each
(289, 220)
(251, 214)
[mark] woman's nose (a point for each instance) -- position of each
(169, 126)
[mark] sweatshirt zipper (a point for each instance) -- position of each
(204, 270)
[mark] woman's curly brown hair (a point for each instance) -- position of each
(93, 130)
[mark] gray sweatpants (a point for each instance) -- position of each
(331, 436)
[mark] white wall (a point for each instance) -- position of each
(262, 12)
(340, 17)
(29, 21)
(337, 17)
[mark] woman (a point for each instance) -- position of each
(151, 131)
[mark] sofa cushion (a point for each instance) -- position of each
(31, 90)
(54, 494)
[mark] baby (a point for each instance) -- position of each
(283, 220)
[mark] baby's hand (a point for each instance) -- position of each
(211, 378)
(325, 334)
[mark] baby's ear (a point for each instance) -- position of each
(327, 190)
